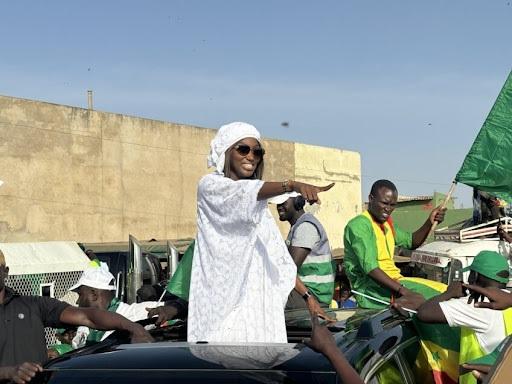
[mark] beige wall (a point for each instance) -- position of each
(75, 174)
(322, 166)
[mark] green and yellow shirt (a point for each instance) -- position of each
(369, 245)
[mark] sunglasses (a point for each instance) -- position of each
(244, 149)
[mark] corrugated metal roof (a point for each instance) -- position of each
(402, 198)
(44, 257)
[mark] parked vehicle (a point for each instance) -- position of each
(136, 263)
(372, 341)
(454, 249)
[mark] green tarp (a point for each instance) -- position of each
(488, 164)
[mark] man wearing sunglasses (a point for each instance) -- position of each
(370, 240)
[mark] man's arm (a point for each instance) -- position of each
(504, 235)
(311, 302)
(299, 254)
(498, 299)
(104, 320)
(421, 234)
(408, 298)
(385, 281)
(431, 312)
(322, 341)
(171, 310)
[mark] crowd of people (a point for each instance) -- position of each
(244, 283)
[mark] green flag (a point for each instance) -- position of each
(488, 164)
(179, 284)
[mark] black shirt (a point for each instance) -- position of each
(22, 322)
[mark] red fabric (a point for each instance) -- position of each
(391, 225)
(442, 378)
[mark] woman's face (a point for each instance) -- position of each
(243, 163)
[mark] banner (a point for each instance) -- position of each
(488, 164)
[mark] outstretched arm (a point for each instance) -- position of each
(421, 234)
(308, 191)
(104, 320)
(431, 312)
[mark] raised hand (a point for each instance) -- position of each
(437, 215)
(322, 341)
(456, 289)
(498, 299)
(321, 338)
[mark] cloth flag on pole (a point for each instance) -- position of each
(488, 164)
(438, 361)
(179, 284)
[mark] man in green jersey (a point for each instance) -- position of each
(370, 240)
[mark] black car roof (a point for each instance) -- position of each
(189, 356)
(363, 333)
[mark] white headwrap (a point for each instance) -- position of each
(226, 136)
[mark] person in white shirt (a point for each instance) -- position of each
(482, 329)
(242, 272)
(96, 289)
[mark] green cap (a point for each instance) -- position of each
(490, 264)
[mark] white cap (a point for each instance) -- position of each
(1, 182)
(97, 277)
(280, 199)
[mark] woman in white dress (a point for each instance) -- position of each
(242, 272)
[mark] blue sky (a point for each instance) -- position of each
(407, 84)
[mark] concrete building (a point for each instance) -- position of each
(77, 174)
